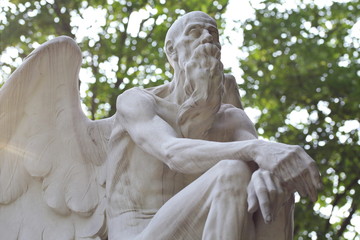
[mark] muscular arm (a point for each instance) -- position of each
(290, 164)
(139, 115)
(265, 191)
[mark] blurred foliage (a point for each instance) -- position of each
(304, 61)
(301, 61)
(122, 41)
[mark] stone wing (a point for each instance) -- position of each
(52, 157)
(231, 92)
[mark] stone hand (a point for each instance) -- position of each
(265, 192)
(295, 169)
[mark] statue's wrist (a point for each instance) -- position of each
(257, 151)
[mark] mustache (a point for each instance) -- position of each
(208, 49)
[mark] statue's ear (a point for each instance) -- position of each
(169, 47)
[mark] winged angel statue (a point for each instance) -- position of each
(177, 161)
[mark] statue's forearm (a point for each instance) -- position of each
(295, 169)
(192, 156)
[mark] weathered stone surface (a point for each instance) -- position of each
(178, 161)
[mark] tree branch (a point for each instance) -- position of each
(64, 21)
(347, 220)
(337, 199)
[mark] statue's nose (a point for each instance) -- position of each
(206, 37)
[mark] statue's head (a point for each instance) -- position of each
(186, 34)
(192, 46)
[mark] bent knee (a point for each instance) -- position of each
(233, 171)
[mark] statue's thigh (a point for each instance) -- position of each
(281, 228)
(184, 215)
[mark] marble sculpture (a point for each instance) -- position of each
(177, 161)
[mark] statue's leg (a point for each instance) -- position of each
(214, 206)
(281, 228)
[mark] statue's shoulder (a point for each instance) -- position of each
(131, 93)
(234, 116)
(230, 110)
(227, 114)
(235, 119)
(135, 102)
(137, 95)
(133, 96)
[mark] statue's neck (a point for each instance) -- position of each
(177, 92)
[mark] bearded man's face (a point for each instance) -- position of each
(199, 37)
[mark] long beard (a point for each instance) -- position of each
(196, 115)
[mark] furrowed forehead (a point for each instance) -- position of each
(201, 19)
(191, 18)
(199, 24)
(205, 22)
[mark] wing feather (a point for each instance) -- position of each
(51, 155)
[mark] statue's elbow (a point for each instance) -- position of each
(175, 157)
(170, 158)
(173, 161)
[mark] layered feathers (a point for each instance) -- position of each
(52, 157)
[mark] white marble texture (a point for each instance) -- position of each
(178, 161)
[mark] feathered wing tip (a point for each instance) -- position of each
(51, 155)
(231, 92)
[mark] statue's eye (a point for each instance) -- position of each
(214, 33)
(195, 32)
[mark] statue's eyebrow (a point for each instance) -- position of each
(208, 26)
(212, 28)
(189, 27)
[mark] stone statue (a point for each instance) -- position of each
(178, 161)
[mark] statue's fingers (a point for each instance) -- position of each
(315, 176)
(271, 187)
(252, 200)
(281, 197)
(253, 204)
(263, 198)
(306, 178)
(310, 188)
(300, 186)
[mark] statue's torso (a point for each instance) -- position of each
(144, 183)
